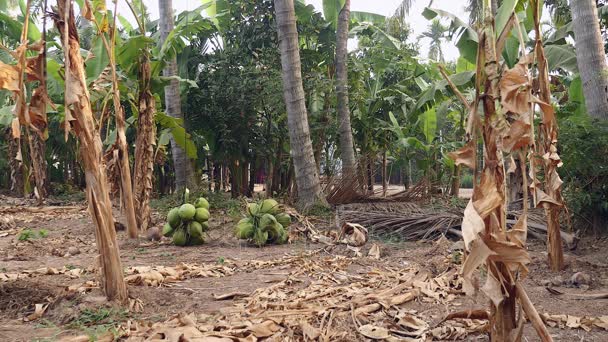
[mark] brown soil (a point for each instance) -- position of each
(71, 313)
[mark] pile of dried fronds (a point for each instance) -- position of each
(354, 188)
(346, 188)
(410, 221)
(419, 192)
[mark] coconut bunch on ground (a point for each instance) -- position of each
(187, 223)
(266, 222)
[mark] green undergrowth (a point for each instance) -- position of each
(217, 201)
(96, 322)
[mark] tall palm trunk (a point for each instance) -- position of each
(591, 57)
(79, 116)
(346, 135)
(306, 173)
(183, 168)
(144, 146)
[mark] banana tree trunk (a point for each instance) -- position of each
(184, 172)
(39, 164)
(15, 163)
(144, 147)
(306, 173)
(347, 151)
(591, 57)
(547, 144)
(79, 117)
(126, 187)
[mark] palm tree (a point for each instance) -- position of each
(183, 167)
(346, 134)
(306, 172)
(590, 56)
(436, 32)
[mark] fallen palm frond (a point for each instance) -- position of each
(347, 188)
(352, 188)
(581, 296)
(410, 221)
(419, 192)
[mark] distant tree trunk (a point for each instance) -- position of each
(306, 173)
(184, 172)
(144, 145)
(212, 184)
(347, 151)
(15, 163)
(370, 174)
(239, 179)
(78, 106)
(455, 186)
(252, 170)
(591, 57)
(269, 176)
(384, 175)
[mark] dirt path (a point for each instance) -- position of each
(224, 265)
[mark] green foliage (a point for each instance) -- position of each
(466, 180)
(584, 151)
(28, 234)
(98, 321)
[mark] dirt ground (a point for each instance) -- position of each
(66, 256)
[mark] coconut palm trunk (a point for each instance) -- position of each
(306, 173)
(346, 135)
(591, 57)
(79, 117)
(184, 173)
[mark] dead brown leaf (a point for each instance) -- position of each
(465, 155)
(374, 332)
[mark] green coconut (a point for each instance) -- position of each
(195, 229)
(283, 237)
(167, 230)
(201, 202)
(201, 214)
(205, 226)
(269, 206)
(244, 229)
(260, 237)
(196, 240)
(252, 209)
(179, 237)
(267, 219)
(274, 231)
(173, 218)
(187, 212)
(283, 219)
